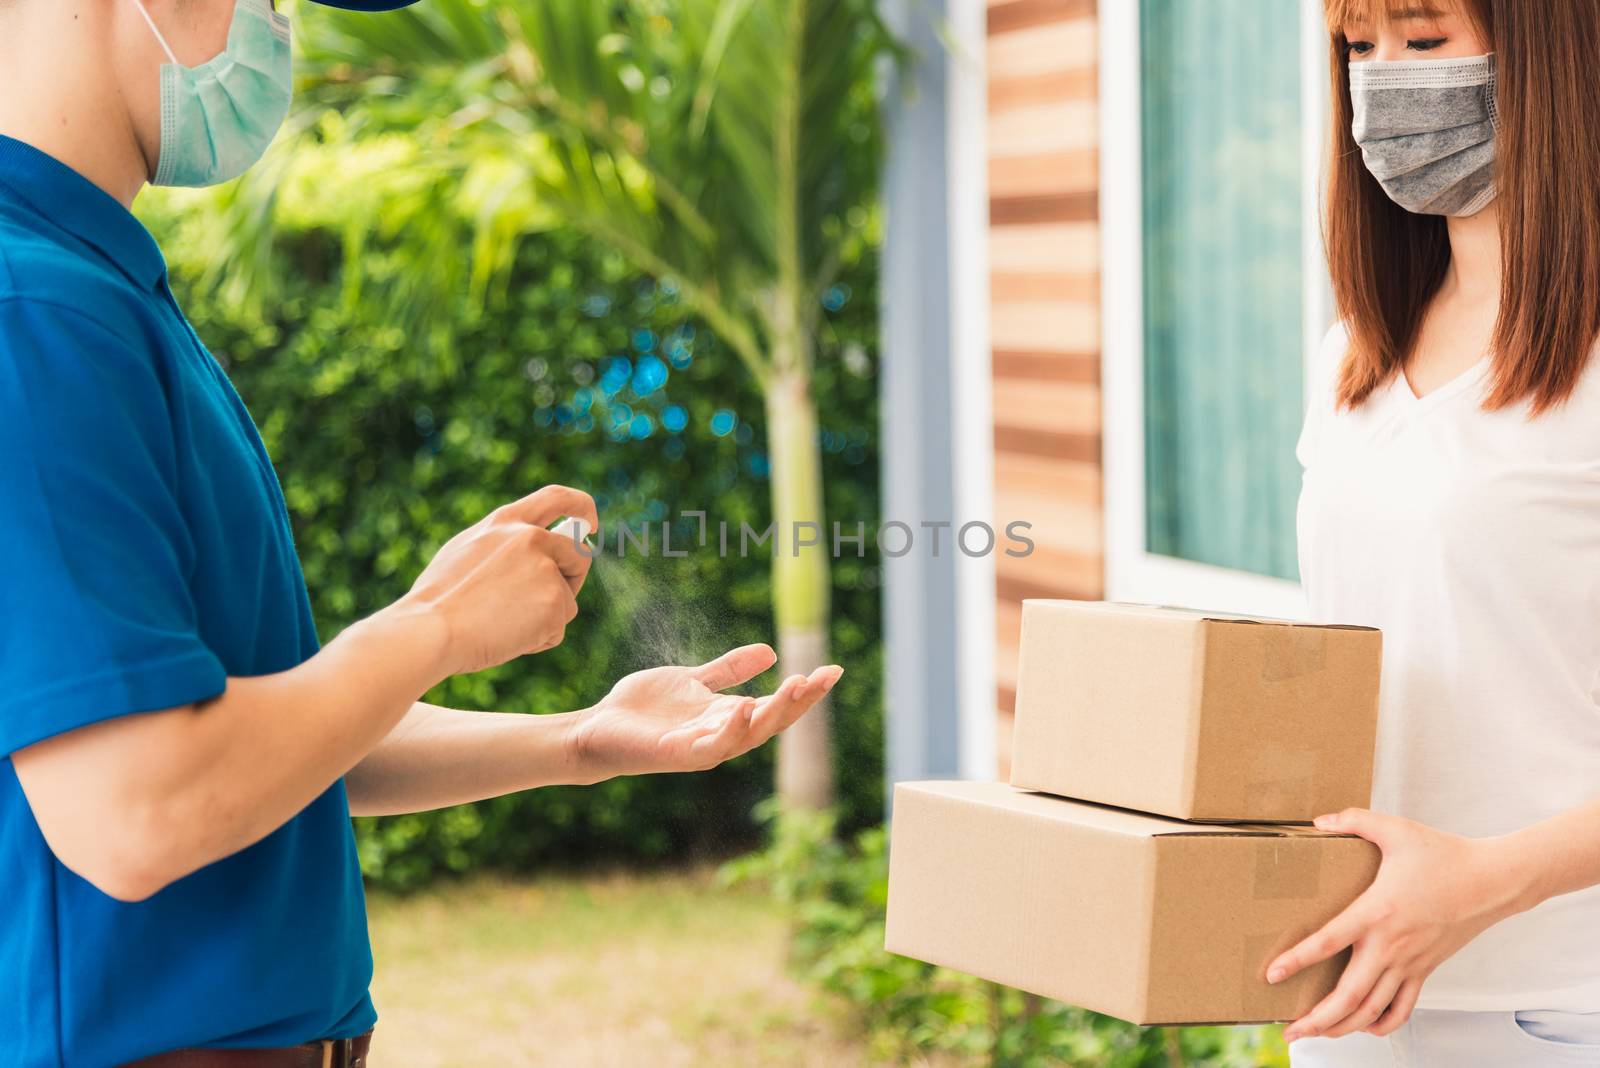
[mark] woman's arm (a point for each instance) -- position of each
(1555, 856)
(1434, 893)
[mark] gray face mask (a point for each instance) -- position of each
(1426, 131)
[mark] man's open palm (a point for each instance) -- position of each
(673, 718)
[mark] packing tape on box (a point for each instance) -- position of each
(1288, 868)
(1290, 652)
(1282, 778)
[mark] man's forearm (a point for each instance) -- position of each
(435, 757)
(156, 796)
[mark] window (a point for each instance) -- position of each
(1214, 293)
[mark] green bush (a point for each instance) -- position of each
(839, 895)
(576, 371)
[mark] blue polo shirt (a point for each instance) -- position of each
(145, 557)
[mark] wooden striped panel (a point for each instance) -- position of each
(1008, 15)
(1052, 48)
(1008, 632)
(1044, 255)
(1066, 545)
(1053, 445)
(1006, 288)
(1045, 325)
(1043, 208)
(1046, 366)
(1055, 124)
(1048, 478)
(1043, 174)
(1052, 407)
(1002, 735)
(1014, 589)
(1011, 90)
(1007, 635)
(1070, 247)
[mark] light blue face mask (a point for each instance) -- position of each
(217, 119)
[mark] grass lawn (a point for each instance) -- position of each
(623, 969)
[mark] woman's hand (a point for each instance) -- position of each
(1434, 893)
(673, 718)
(507, 586)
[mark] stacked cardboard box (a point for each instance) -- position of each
(1150, 856)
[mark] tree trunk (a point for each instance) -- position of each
(800, 581)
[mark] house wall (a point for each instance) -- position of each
(1044, 251)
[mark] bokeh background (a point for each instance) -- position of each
(637, 246)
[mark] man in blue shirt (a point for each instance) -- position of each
(181, 756)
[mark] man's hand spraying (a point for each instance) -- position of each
(508, 586)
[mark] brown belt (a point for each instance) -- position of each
(328, 1053)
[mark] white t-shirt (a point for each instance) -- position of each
(1472, 540)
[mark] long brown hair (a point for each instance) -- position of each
(1386, 263)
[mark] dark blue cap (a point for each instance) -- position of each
(366, 5)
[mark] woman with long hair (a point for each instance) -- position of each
(1451, 497)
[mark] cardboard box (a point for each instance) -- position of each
(1195, 715)
(1153, 920)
